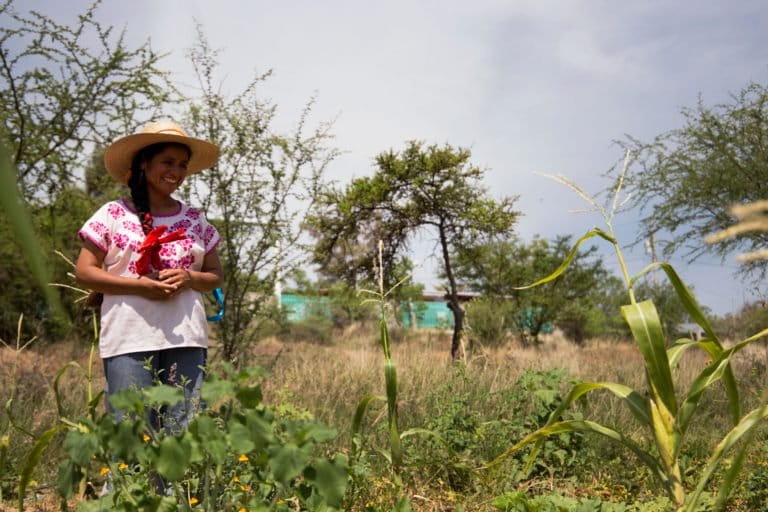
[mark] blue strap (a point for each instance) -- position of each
(219, 296)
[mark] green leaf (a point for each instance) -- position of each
(68, 478)
(163, 394)
(742, 429)
(564, 265)
(16, 212)
(719, 368)
(215, 389)
(693, 309)
(59, 374)
(287, 462)
(33, 458)
(125, 438)
(127, 400)
(249, 396)
(173, 458)
(240, 437)
(80, 446)
(646, 329)
(330, 478)
(207, 433)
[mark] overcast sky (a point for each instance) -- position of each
(529, 86)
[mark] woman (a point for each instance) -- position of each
(151, 256)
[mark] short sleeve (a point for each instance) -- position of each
(211, 237)
(97, 229)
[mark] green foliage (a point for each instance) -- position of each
(671, 311)
(237, 453)
(65, 89)
(690, 176)
(422, 188)
(665, 417)
(519, 502)
(472, 426)
(490, 320)
(256, 195)
(497, 267)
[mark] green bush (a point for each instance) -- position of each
(235, 454)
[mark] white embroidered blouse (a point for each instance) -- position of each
(130, 323)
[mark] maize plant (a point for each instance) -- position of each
(661, 409)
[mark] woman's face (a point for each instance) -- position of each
(166, 170)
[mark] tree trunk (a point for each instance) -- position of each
(453, 297)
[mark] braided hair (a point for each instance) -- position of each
(137, 181)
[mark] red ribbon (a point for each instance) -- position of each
(150, 249)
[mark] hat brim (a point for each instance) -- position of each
(119, 155)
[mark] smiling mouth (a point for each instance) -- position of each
(174, 181)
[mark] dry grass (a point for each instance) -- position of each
(329, 381)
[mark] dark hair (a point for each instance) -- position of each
(137, 181)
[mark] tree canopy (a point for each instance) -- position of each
(495, 267)
(689, 177)
(423, 189)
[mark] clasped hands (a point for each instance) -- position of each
(166, 283)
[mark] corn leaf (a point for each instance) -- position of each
(390, 380)
(563, 427)
(34, 459)
(18, 217)
(693, 309)
(636, 403)
(742, 429)
(646, 329)
(564, 265)
(711, 374)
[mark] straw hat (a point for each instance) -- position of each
(118, 157)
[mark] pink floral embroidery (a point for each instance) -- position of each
(170, 263)
(182, 224)
(167, 250)
(209, 233)
(132, 268)
(121, 240)
(186, 262)
(98, 228)
(186, 245)
(115, 210)
(197, 229)
(193, 214)
(133, 227)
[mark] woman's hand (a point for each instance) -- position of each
(156, 289)
(178, 278)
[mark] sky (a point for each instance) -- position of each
(530, 86)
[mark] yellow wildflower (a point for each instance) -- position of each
(245, 488)
(193, 501)
(243, 458)
(243, 509)
(235, 479)
(104, 471)
(145, 438)
(280, 502)
(122, 466)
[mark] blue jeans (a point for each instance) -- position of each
(173, 367)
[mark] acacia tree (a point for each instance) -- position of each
(689, 177)
(257, 194)
(421, 190)
(65, 90)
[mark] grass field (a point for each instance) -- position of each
(479, 408)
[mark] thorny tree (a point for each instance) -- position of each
(66, 89)
(689, 177)
(423, 189)
(257, 195)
